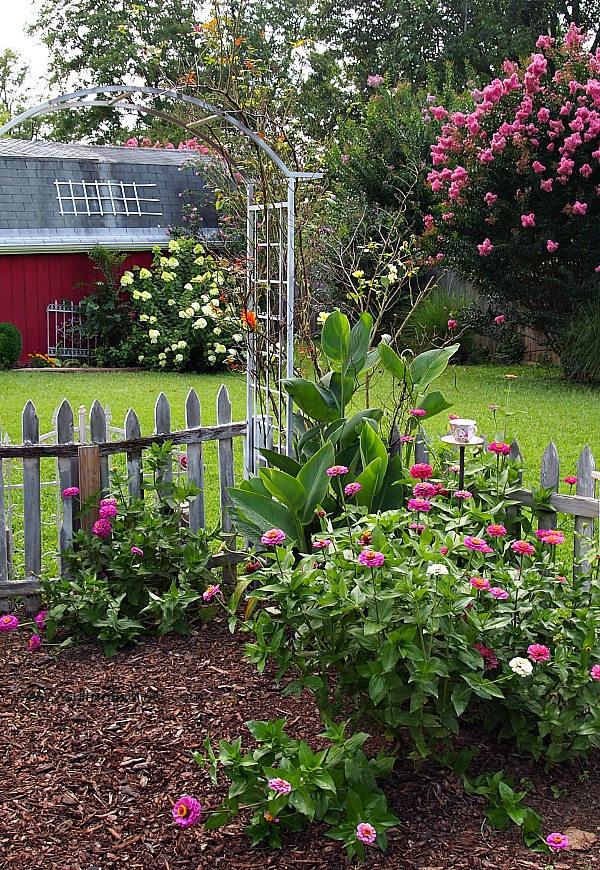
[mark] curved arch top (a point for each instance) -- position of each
(117, 99)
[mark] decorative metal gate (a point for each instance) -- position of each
(66, 337)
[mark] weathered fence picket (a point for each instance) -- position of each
(586, 487)
(65, 433)
(32, 519)
(549, 477)
(195, 462)
(134, 457)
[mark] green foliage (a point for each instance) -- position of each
(580, 359)
(11, 345)
(116, 595)
(505, 805)
(337, 785)
(106, 313)
(413, 644)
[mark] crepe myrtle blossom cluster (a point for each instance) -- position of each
(537, 127)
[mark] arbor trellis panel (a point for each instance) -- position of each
(89, 460)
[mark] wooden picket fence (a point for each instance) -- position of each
(86, 465)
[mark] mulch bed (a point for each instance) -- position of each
(95, 752)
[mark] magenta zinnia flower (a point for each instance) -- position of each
(35, 642)
(424, 490)
(101, 528)
(186, 812)
(499, 448)
(571, 480)
(281, 786)
(40, 619)
(406, 439)
(523, 548)
(210, 592)
(321, 544)
(472, 543)
(418, 527)
(421, 471)
(595, 672)
(366, 833)
(70, 491)
(419, 504)
(498, 592)
(107, 512)
(336, 470)
(463, 493)
(496, 530)
(418, 412)
(137, 551)
(480, 583)
(108, 500)
(8, 622)
(273, 536)
(537, 652)
(550, 536)
(352, 488)
(371, 559)
(557, 841)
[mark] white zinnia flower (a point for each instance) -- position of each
(437, 569)
(520, 666)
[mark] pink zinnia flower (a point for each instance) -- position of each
(183, 461)
(419, 504)
(537, 652)
(595, 673)
(210, 592)
(454, 469)
(107, 512)
(186, 812)
(352, 488)
(496, 530)
(571, 480)
(101, 528)
(453, 416)
(35, 642)
(273, 536)
(405, 439)
(418, 412)
(557, 841)
(498, 592)
(137, 551)
(337, 470)
(321, 544)
(523, 548)
(366, 833)
(418, 527)
(472, 543)
(108, 500)
(371, 559)
(40, 619)
(550, 536)
(480, 583)
(463, 493)
(70, 491)
(281, 786)
(421, 471)
(499, 448)
(444, 551)
(424, 490)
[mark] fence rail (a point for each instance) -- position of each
(86, 465)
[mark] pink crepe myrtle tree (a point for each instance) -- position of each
(520, 173)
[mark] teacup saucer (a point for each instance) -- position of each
(473, 442)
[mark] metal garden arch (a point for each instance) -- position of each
(270, 233)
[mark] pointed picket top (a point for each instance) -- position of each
(97, 423)
(162, 415)
(132, 425)
(586, 464)
(192, 409)
(107, 415)
(549, 475)
(223, 405)
(515, 451)
(65, 432)
(31, 424)
(82, 424)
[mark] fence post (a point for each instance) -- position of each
(226, 476)
(98, 434)
(32, 517)
(584, 526)
(89, 481)
(4, 532)
(65, 434)
(162, 425)
(195, 462)
(549, 477)
(134, 457)
(421, 449)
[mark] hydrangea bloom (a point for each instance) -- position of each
(521, 666)
(281, 786)
(210, 592)
(102, 528)
(421, 471)
(537, 652)
(273, 537)
(186, 812)
(371, 558)
(557, 841)
(366, 833)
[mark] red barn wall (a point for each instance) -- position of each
(30, 282)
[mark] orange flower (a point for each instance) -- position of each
(248, 318)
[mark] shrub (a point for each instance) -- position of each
(580, 359)
(11, 345)
(106, 313)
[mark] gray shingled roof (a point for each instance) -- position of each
(98, 153)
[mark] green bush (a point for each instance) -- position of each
(580, 359)
(11, 345)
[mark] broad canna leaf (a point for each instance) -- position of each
(428, 366)
(317, 403)
(266, 513)
(335, 338)
(359, 344)
(368, 479)
(393, 363)
(313, 477)
(284, 487)
(434, 403)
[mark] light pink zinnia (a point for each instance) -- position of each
(352, 488)
(371, 559)
(595, 673)
(210, 592)
(35, 642)
(366, 833)
(418, 527)
(273, 536)
(419, 504)
(472, 543)
(421, 471)
(496, 530)
(480, 583)
(321, 544)
(186, 812)
(498, 592)
(557, 841)
(281, 786)
(537, 652)
(101, 528)
(523, 548)
(336, 470)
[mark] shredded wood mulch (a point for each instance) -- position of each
(95, 752)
